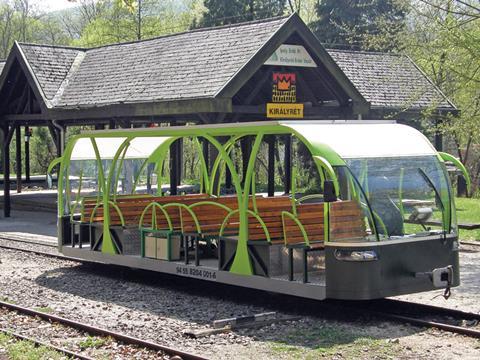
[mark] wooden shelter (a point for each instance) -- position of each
(272, 68)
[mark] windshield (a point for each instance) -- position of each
(409, 196)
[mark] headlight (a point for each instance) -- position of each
(355, 255)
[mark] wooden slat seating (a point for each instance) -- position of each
(346, 221)
(132, 208)
(305, 230)
(269, 211)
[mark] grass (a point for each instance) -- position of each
(44, 309)
(92, 342)
(7, 300)
(25, 350)
(468, 211)
(330, 341)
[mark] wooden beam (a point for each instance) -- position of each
(27, 155)
(313, 111)
(12, 87)
(18, 157)
(253, 94)
(162, 108)
(173, 168)
(23, 117)
(7, 138)
(306, 89)
(23, 100)
(288, 164)
(271, 165)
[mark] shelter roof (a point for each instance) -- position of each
(193, 64)
(202, 70)
(390, 80)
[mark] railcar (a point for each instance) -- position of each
(368, 213)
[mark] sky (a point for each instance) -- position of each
(54, 5)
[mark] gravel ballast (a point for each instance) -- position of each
(162, 308)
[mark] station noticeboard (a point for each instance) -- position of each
(284, 97)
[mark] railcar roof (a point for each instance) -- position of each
(344, 139)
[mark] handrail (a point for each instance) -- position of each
(329, 169)
(206, 202)
(204, 179)
(154, 213)
(447, 157)
(249, 212)
(54, 163)
(298, 223)
(117, 174)
(192, 214)
(77, 196)
(254, 194)
(308, 197)
(369, 207)
(117, 209)
(293, 186)
(228, 146)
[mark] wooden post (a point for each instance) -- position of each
(18, 157)
(27, 154)
(173, 168)
(271, 165)
(438, 134)
(179, 143)
(288, 164)
(205, 153)
(246, 146)
(7, 137)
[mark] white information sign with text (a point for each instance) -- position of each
(291, 55)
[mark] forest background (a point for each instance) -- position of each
(441, 36)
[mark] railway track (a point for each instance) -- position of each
(68, 353)
(93, 330)
(421, 315)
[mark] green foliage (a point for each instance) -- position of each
(361, 24)
(120, 22)
(333, 342)
(222, 12)
(25, 350)
(444, 40)
(43, 150)
(468, 211)
(92, 342)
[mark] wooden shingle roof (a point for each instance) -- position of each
(194, 64)
(201, 71)
(389, 80)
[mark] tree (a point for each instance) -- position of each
(222, 12)
(444, 40)
(361, 24)
(119, 23)
(306, 9)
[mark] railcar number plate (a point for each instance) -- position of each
(198, 273)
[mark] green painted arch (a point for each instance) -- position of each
(155, 205)
(249, 212)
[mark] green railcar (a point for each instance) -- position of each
(367, 211)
